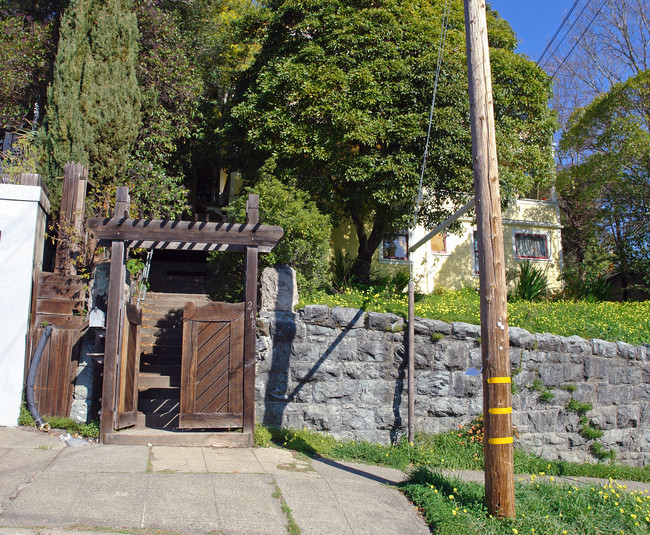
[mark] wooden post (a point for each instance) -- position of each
(497, 407)
(411, 362)
(113, 323)
(71, 213)
(250, 325)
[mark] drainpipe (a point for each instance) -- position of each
(31, 378)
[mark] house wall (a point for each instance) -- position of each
(23, 212)
(343, 371)
(454, 268)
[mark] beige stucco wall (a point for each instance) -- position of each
(454, 269)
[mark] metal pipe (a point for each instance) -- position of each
(31, 378)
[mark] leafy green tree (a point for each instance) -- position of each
(304, 246)
(26, 51)
(608, 142)
(94, 100)
(337, 102)
(186, 63)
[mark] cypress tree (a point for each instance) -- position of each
(93, 113)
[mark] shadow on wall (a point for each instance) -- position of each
(288, 398)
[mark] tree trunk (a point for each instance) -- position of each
(367, 247)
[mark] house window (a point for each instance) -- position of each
(395, 246)
(439, 243)
(531, 245)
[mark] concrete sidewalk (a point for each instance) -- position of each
(49, 488)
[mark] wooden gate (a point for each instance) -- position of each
(234, 406)
(127, 406)
(212, 379)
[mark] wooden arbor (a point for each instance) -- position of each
(250, 238)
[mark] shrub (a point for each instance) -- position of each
(532, 284)
(304, 246)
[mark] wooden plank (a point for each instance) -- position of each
(188, 361)
(61, 291)
(58, 306)
(126, 413)
(192, 246)
(58, 278)
(250, 322)
(113, 324)
(211, 383)
(61, 321)
(236, 375)
(61, 388)
(40, 381)
(216, 420)
(117, 228)
(212, 344)
(223, 311)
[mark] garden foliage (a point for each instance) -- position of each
(337, 101)
(305, 245)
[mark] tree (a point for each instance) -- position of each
(185, 67)
(304, 246)
(27, 33)
(609, 143)
(94, 100)
(607, 43)
(337, 103)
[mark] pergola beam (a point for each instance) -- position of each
(186, 234)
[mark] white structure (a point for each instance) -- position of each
(23, 213)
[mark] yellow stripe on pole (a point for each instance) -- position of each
(496, 380)
(500, 410)
(504, 440)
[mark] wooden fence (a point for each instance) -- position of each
(58, 300)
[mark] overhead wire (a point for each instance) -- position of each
(579, 38)
(441, 48)
(565, 35)
(559, 29)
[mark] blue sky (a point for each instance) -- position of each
(533, 22)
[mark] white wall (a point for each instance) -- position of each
(23, 211)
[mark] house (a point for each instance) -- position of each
(531, 231)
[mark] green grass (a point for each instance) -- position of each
(454, 507)
(453, 450)
(89, 430)
(451, 506)
(627, 322)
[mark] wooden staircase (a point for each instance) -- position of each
(160, 363)
(159, 380)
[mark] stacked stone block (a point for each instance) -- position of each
(343, 371)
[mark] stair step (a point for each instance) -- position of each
(146, 381)
(165, 339)
(161, 339)
(160, 394)
(160, 368)
(150, 363)
(166, 420)
(158, 405)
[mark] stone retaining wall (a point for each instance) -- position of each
(343, 371)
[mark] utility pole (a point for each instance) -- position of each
(495, 346)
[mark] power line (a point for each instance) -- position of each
(579, 38)
(565, 35)
(558, 30)
(441, 48)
